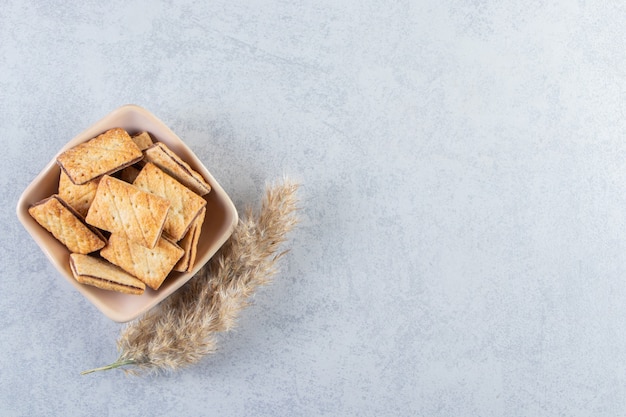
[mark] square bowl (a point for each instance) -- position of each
(220, 221)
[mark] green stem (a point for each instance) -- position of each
(114, 365)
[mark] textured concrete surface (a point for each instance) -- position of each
(463, 245)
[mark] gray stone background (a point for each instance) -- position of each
(462, 248)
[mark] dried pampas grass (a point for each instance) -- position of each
(183, 328)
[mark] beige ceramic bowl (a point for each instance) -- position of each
(221, 217)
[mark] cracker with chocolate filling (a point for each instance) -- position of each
(66, 225)
(99, 273)
(104, 154)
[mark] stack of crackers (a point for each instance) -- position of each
(129, 210)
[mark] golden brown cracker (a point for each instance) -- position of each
(102, 274)
(189, 243)
(185, 204)
(129, 174)
(163, 157)
(142, 140)
(66, 225)
(149, 265)
(77, 196)
(119, 207)
(104, 154)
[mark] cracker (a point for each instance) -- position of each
(104, 154)
(122, 208)
(142, 140)
(185, 204)
(163, 157)
(149, 265)
(66, 225)
(189, 243)
(129, 174)
(77, 196)
(99, 273)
